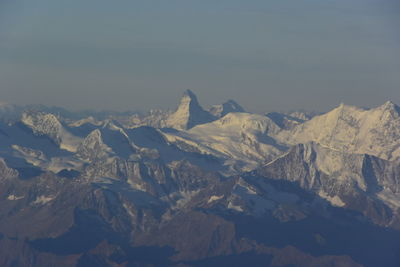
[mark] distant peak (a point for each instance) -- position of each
(233, 104)
(231, 101)
(390, 105)
(188, 98)
(189, 93)
(347, 108)
(225, 108)
(189, 113)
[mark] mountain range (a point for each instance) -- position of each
(198, 187)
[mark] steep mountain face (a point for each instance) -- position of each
(360, 182)
(235, 189)
(354, 130)
(189, 113)
(44, 124)
(221, 110)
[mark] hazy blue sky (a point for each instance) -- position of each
(267, 55)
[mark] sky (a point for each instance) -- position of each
(268, 55)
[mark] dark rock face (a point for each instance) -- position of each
(63, 222)
(366, 176)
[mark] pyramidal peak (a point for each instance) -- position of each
(189, 113)
(190, 94)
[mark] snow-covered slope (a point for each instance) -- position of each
(189, 113)
(46, 124)
(354, 130)
(242, 139)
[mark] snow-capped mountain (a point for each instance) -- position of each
(355, 130)
(201, 188)
(189, 113)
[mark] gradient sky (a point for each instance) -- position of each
(136, 55)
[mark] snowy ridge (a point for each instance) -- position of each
(243, 137)
(354, 130)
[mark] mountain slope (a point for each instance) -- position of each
(359, 182)
(354, 130)
(242, 139)
(46, 124)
